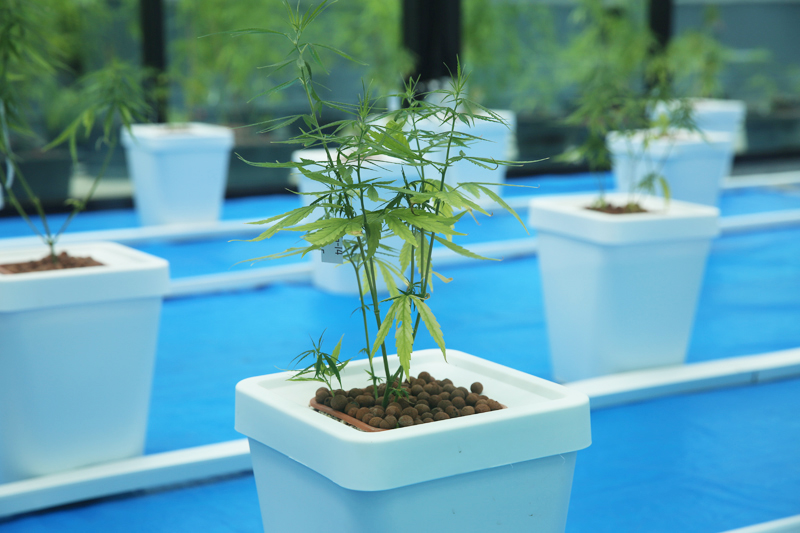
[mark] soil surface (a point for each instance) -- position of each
(423, 400)
(46, 263)
(618, 209)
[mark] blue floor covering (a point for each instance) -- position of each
(676, 464)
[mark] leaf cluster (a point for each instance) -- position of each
(382, 174)
(109, 96)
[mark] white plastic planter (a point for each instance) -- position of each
(77, 351)
(178, 171)
(507, 470)
(718, 116)
(620, 291)
(711, 114)
(694, 164)
(330, 277)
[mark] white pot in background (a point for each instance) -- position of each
(620, 291)
(77, 351)
(507, 470)
(693, 163)
(341, 279)
(712, 114)
(179, 171)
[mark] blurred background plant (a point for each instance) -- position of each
(45, 86)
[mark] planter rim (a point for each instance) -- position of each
(567, 215)
(542, 419)
(195, 136)
(681, 141)
(710, 105)
(126, 273)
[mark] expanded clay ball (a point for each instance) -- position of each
(441, 415)
(458, 402)
(444, 395)
(482, 408)
(431, 388)
(321, 394)
(405, 421)
(422, 408)
(377, 410)
(476, 387)
(339, 402)
(393, 410)
(365, 400)
(451, 411)
(494, 405)
(375, 421)
(353, 411)
(361, 412)
(448, 387)
(426, 376)
(423, 396)
(355, 393)
(368, 416)
(472, 399)
(410, 411)
(467, 410)
(392, 421)
(416, 390)
(444, 404)
(458, 393)
(385, 424)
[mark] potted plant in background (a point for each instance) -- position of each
(78, 323)
(621, 272)
(512, 465)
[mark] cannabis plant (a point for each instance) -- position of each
(29, 58)
(361, 208)
(622, 75)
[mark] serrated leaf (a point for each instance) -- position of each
(386, 326)
(335, 352)
(441, 277)
(388, 278)
(373, 237)
(494, 196)
(431, 324)
(293, 217)
(400, 229)
(461, 250)
(405, 255)
(328, 234)
(404, 333)
(372, 194)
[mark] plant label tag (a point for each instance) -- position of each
(333, 252)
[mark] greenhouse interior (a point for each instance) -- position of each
(285, 266)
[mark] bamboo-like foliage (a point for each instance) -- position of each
(30, 56)
(362, 212)
(622, 76)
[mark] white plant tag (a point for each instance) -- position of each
(333, 252)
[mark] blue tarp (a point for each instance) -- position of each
(704, 462)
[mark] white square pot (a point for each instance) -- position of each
(620, 291)
(507, 470)
(77, 348)
(711, 114)
(178, 171)
(341, 278)
(694, 163)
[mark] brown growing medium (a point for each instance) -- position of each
(46, 263)
(407, 410)
(618, 209)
